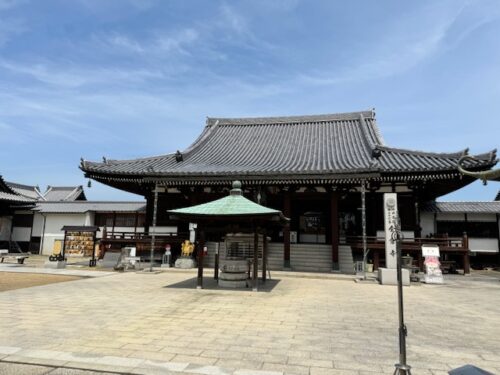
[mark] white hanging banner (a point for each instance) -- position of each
(390, 217)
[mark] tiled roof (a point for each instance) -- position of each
(14, 198)
(28, 191)
(86, 206)
(53, 193)
(64, 193)
(463, 207)
(336, 144)
(7, 193)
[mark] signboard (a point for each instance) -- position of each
(430, 251)
(390, 217)
(433, 274)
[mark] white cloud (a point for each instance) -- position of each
(411, 41)
(71, 76)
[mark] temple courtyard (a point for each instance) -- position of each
(297, 324)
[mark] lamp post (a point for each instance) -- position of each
(396, 236)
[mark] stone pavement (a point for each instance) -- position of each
(159, 324)
(20, 268)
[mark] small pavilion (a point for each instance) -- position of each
(232, 210)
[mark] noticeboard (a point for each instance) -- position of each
(430, 251)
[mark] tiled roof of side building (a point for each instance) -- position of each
(299, 145)
(492, 207)
(64, 193)
(86, 206)
(15, 198)
(7, 193)
(28, 191)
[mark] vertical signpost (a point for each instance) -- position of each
(390, 216)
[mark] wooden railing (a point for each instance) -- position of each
(444, 243)
(139, 236)
(451, 246)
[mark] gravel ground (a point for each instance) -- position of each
(11, 280)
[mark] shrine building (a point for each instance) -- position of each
(321, 171)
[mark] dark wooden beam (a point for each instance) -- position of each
(286, 229)
(264, 256)
(255, 259)
(201, 255)
(334, 214)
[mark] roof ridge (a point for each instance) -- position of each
(288, 119)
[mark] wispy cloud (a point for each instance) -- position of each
(71, 76)
(413, 40)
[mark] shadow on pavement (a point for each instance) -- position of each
(211, 284)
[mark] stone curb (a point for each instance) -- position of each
(118, 365)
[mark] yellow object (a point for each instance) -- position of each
(187, 248)
(56, 250)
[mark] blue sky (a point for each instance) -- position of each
(132, 78)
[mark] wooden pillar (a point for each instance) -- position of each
(466, 258)
(114, 224)
(255, 259)
(216, 261)
(286, 230)
(64, 246)
(264, 256)
(149, 212)
(334, 214)
(418, 228)
(498, 237)
(201, 256)
(136, 220)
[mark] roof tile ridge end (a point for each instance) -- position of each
(207, 132)
(457, 154)
(364, 128)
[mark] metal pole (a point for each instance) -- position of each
(363, 224)
(401, 367)
(155, 210)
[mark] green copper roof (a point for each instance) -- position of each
(233, 205)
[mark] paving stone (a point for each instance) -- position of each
(22, 369)
(310, 322)
(72, 371)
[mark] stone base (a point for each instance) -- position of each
(433, 279)
(55, 265)
(232, 276)
(185, 263)
(232, 283)
(389, 276)
(165, 265)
